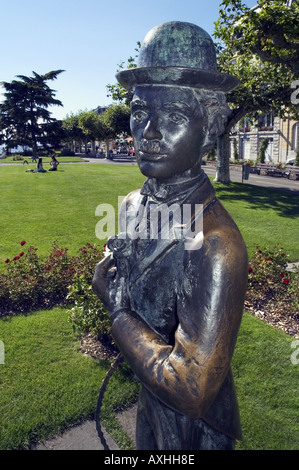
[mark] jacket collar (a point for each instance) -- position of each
(159, 191)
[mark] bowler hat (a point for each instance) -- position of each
(177, 53)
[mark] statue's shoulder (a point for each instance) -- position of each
(222, 237)
(129, 205)
(132, 199)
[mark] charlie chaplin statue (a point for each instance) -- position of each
(176, 301)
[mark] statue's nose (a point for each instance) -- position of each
(151, 130)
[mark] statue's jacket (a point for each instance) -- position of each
(185, 310)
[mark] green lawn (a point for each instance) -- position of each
(46, 160)
(41, 208)
(267, 387)
(60, 206)
(46, 384)
(266, 217)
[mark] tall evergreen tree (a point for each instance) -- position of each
(24, 113)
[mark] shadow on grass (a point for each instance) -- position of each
(282, 202)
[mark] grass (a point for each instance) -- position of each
(60, 206)
(267, 387)
(46, 160)
(266, 217)
(46, 384)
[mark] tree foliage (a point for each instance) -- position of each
(115, 121)
(265, 87)
(89, 126)
(24, 115)
(117, 92)
(73, 133)
(270, 30)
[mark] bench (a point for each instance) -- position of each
(292, 172)
(266, 169)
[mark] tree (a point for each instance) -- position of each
(270, 30)
(262, 150)
(89, 123)
(264, 87)
(24, 113)
(73, 133)
(116, 91)
(115, 121)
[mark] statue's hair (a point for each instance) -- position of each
(214, 110)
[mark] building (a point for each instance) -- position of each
(283, 135)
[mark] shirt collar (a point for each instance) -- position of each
(163, 192)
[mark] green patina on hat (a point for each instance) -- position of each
(177, 53)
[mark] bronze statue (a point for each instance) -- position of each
(176, 302)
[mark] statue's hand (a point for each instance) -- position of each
(110, 285)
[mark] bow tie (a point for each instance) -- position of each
(163, 192)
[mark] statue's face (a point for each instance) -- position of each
(168, 134)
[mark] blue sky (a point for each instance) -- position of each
(86, 38)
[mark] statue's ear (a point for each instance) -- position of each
(213, 130)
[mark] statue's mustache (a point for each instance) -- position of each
(150, 146)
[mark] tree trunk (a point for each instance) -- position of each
(34, 151)
(107, 148)
(223, 156)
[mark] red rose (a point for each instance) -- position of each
(282, 275)
(286, 281)
(15, 258)
(7, 260)
(249, 270)
(21, 254)
(282, 254)
(23, 243)
(268, 259)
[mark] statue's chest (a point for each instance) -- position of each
(154, 285)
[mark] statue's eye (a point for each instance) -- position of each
(139, 115)
(177, 118)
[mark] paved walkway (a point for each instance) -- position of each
(85, 435)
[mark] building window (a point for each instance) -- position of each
(295, 136)
(266, 122)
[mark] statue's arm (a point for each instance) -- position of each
(188, 375)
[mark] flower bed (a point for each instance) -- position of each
(273, 290)
(30, 283)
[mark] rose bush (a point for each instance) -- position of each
(270, 282)
(30, 282)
